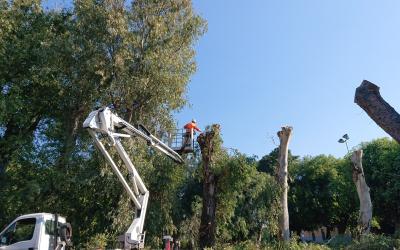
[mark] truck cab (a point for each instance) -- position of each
(40, 231)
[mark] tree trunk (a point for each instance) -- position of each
(72, 125)
(368, 98)
(328, 232)
(323, 234)
(207, 142)
(284, 138)
(363, 192)
(260, 235)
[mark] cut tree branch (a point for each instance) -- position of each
(367, 96)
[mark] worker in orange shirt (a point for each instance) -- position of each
(190, 127)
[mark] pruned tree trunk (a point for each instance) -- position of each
(363, 193)
(284, 138)
(368, 98)
(207, 142)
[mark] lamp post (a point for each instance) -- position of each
(344, 140)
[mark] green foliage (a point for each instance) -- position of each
(292, 245)
(55, 67)
(375, 242)
(381, 164)
(98, 241)
(321, 193)
(189, 227)
(339, 241)
(268, 163)
(247, 202)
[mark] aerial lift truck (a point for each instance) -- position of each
(43, 231)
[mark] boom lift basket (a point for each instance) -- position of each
(180, 141)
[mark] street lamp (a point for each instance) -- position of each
(344, 139)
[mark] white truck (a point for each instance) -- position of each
(36, 232)
(39, 231)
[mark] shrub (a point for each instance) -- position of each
(339, 241)
(98, 241)
(374, 242)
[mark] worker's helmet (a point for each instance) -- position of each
(194, 120)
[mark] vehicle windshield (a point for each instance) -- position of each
(20, 230)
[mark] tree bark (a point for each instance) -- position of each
(363, 192)
(284, 138)
(367, 96)
(328, 232)
(72, 125)
(207, 225)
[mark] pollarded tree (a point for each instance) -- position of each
(284, 138)
(213, 157)
(365, 215)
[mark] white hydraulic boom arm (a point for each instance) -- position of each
(104, 122)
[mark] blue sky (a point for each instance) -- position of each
(263, 64)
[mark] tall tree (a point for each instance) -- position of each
(55, 67)
(284, 138)
(29, 86)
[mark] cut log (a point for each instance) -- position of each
(365, 215)
(367, 96)
(284, 138)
